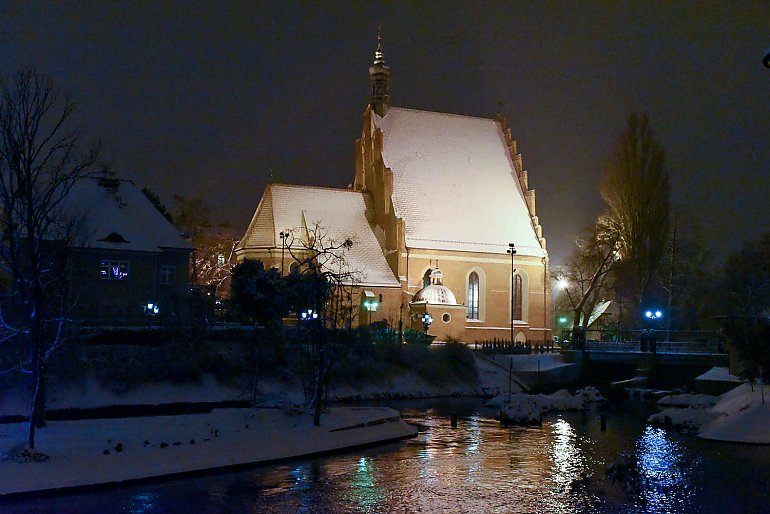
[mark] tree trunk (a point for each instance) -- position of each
(37, 416)
(318, 387)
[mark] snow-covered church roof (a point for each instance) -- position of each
(454, 183)
(339, 213)
(113, 214)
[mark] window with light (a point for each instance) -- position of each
(114, 270)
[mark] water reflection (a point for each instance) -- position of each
(664, 473)
(477, 467)
(305, 478)
(142, 503)
(364, 493)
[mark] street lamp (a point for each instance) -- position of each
(283, 235)
(151, 311)
(512, 250)
(653, 314)
(648, 336)
(426, 319)
(308, 315)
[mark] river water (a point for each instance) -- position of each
(479, 466)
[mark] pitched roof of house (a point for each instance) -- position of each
(114, 214)
(339, 213)
(454, 183)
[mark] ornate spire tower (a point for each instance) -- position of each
(379, 73)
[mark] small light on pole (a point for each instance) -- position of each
(426, 319)
(653, 314)
(151, 309)
(309, 314)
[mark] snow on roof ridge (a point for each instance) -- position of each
(450, 114)
(303, 186)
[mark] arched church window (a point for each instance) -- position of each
(517, 298)
(473, 296)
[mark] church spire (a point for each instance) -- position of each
(379, 73)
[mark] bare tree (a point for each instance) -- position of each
(324, 259)
(40, 162)
(635, 187)
(191, 216)
(587, 271)
(214, 260)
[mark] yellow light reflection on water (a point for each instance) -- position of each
(568, 459)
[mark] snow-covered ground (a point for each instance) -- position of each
(87, 452)
(743, 417)
(737, 416)
(529, 408)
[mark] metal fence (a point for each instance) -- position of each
(680, 347)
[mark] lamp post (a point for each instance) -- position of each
(283, 235)
(151, 311)
(563, 325)
(545, 301)
(651, 315)
(370, 306)
(512, 250)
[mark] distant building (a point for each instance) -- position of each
(126, 256)
(437, 198)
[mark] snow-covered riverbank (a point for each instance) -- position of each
(111, 451)
(738, 416)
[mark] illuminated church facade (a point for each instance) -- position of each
(436, 203)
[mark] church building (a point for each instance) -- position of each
(442, 222)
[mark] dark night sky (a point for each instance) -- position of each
(202, 99)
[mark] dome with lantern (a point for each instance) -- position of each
(436, 291)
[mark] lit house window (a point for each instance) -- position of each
(517, 299)
(114, 270)
(167, 275)
(473, 296)
(221, 260)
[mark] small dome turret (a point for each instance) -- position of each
(436, 291)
